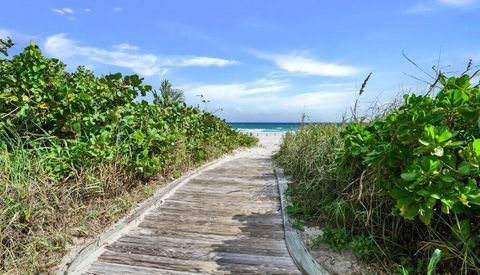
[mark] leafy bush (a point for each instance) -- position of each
(75, 149)
(407, 181)
(89, 118)
(426, 154)
(425, 157)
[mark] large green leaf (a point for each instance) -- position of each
(409, 176)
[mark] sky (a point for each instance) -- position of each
(258, 61)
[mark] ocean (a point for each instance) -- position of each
(266, 127)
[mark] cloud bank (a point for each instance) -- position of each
(271, 99)
(423, 7)
(297, 62)
(127, 56)
(64, 11)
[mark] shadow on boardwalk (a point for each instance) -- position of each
(261, 246)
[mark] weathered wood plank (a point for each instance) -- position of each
(188, 242)
(155, 222)
(274, 248)
(253, 207)
(114, 268)
(101, 268)
(275, 233)
(232, 268)
(211, 267)
(213, 213)
(200, 200)
(199, 252)
(208, 212)
(233, 192)
(159, 262)
(168, 217)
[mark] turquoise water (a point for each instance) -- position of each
(265, 127)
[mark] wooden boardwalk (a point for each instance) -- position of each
(226, 220)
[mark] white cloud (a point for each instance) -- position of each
(58, 11)
(64, 11)
(68, 10)
(432, 5)
(117, 9)
(237, 90)
(126, 47)
(457, 3)
(87, 10)
(328, 106)
(273, 99)
(207, 61)
(322, 100)
(61, 47)
(420, 8)
(125, 56)
(297, 62)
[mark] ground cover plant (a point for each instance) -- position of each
(77, 150)
(401, 187)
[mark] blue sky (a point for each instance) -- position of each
(268, 60)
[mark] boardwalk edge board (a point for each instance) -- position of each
(295, 245)
(84, 256)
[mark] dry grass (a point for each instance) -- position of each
(40, 217)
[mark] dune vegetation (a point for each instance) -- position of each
(78, 150)
(401, 190)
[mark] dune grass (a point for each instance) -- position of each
(40, 216)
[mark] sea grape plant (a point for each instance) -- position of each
(425, 155)
(79, 118)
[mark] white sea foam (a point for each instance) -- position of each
(260, 130)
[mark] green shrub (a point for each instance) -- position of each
(77, 150)
(425, 157)
(86, 118)
(364, 247)
(425, 154)
(407, 181)
(335, 237)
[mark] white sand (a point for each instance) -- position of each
(343, 262)
(268, 143)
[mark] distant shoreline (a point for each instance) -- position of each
(262, 131)
(271, 127)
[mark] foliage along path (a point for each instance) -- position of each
(227, 219)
